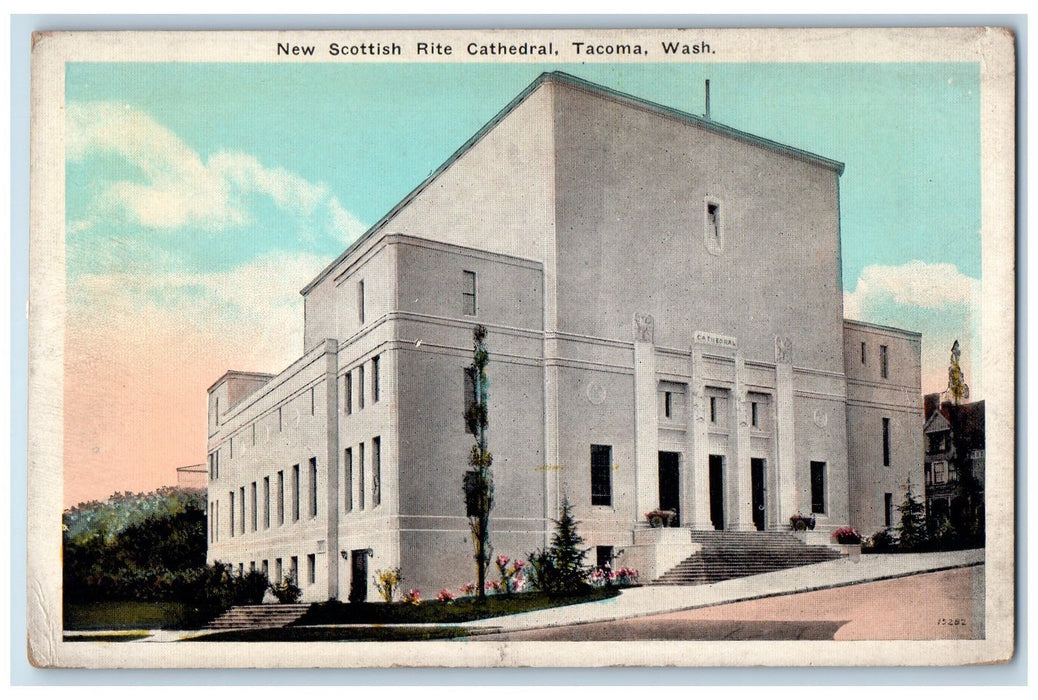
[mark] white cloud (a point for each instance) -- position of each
(915, 283)
(177, 188)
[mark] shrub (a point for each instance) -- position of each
(802, 522)
(387, 581)
(661, 518)
(560, 569)
(251, 588)
(287, 591)
(883, 541)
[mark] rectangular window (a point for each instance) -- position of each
(886, 442)
(231, 494)
(360, 387)
(939, 469)
(293, 569)
(863, 352)
(313, 487)
(753, 414)
(347, 479)
(929, 474)
(255, 507)
(883, 361)
(281, 498)
(311, 568)
(313, 405)
(211, 521)
(604, 556)
(888, 509)
(241, 493)
(281, 422)
(374, 379)
(713, 220)
(216, 410)
(216, 467)
(265, 568)
(253, 434)
(216, 525)
(360, 301)
(360, 477)
(212, 474)
(470, 399)
(232, 448)
(667, 405)
(468, 294)
(601, 475)
(376, 471)
(278, 572)
(818, 487)
(713, 409)
(295, 492)
(348, 393)
(266, 503)
(252, 566)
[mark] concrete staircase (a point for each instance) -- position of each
(726, 555)
(259, 616)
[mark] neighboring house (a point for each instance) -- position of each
(665, 325)
(954, 461)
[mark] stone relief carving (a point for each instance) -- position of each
(821, 418)
(595, 392)
(643, 327)
(783, 349)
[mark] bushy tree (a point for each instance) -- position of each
(912, 531)
(561, 568)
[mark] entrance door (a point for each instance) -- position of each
(670, 491)
(757, 479)
(717, 491)
(358, 575)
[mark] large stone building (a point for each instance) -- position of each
(663, 301)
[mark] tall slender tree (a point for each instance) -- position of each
(479, 481)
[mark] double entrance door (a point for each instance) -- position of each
(670, 488)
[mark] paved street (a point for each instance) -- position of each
(937, 605)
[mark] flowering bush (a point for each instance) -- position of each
(512, 578)
(847, 535)
(468, 589)
(802, 522)
(606, 577)
(387, 581)
(661, 518)
(413, 596)
(445, 596)
(287, 591)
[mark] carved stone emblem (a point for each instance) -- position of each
(595, 392)
(643, 327)
(783, 349)
(821, 418)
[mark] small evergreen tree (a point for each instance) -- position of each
(561, 568)
(912, 531)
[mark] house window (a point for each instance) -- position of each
(347, 478)
(863, 352)
(231, 494)
(376, 471)
(374, 379)
(360, 301)
(360, 476)
(940, 472)
(348, 393)
(360, 387)
(470, 399)
(311, 568)
(281, 498)
(255, 507)
(468, 294)
(604, 556)
(295, 492)
(818, 487)
(886, 442)
(313, 487)
(929, 474)
(667, 407)
(883, 361)
(266, 503)
(601, 475)
(888, 509)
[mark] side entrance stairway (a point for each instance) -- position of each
(726, 555)
(259, 616)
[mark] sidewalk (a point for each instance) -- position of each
(652, 600)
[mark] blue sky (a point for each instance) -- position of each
(187, 182)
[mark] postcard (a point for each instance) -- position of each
(557, 348)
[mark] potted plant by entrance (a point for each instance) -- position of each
(849, 540)
(661, 518)
(800, 522)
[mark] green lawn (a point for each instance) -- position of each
(434, 611)
(126, 615)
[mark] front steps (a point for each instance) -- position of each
(727, 555)
(259, 616)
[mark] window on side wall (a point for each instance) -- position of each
(601, 475)
(883, 367)
(818, 487)
(468, 294)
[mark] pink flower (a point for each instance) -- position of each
(502, 560)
